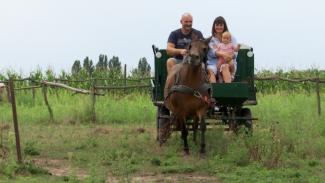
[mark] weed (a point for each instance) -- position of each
(29, 167)
(30, 149)
(155, 161)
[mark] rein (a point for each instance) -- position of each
(196, 92)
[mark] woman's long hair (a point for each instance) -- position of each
(217, 21)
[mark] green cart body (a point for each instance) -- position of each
(230, 97)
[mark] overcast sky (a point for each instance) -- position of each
(53, 33)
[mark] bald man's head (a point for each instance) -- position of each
(186, 22)
(186, 15)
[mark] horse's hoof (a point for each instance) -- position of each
(186, 152)
(203, 155)
(162, 141)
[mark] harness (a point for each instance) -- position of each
(196, 92)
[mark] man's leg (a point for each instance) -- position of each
(170, 63)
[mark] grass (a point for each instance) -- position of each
(288, 144)
(133, 108)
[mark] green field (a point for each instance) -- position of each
(288, 144)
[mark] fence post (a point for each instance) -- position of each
(44, 87)
(124, 78)
(8, 93)
(318, 95)
(93, 100)
(33, 92)
(15, 120)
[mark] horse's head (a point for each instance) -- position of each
(197, 52)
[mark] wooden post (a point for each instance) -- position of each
(318, 96)
(93, 101)
(47, 102)
(33, 92)
(8, 93)
(23, 84)
(15, 120)
(124, 78)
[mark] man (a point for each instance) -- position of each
(179, 39)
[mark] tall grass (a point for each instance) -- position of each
(273, 86)
(288, 142)
(67, 107)
(292, 123)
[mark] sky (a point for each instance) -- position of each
(285, 34)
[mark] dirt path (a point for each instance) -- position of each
(175, 178)
(60, 168)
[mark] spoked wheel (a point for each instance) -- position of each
(163, 124)
(247, 123)
(233, 126)
(238, 125)
(232, 123)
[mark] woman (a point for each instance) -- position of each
(220, 26)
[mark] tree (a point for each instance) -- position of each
(50, 75)
(102, 64)
(105, 62)
(88, 66)
(76, 67)
(114, 64)
(143, 67)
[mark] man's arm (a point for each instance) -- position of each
(172, 51)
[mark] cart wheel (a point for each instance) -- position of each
(157, 122)
(246, 112)
(233, 126)
(163, 124)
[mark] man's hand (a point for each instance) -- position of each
(183, 52)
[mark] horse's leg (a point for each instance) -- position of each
(203, 129)
(195, 126)
(184, 137)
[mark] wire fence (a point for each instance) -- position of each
(101, 90)
(97, 90)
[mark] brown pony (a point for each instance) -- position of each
(187, 92)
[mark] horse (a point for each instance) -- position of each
(187, 92)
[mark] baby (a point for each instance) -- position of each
(226, 46)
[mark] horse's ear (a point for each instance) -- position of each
(188, 46)
(205, 43)
(194, 37)
(207, 40)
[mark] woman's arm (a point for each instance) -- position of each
(227, 56)
(212, 50)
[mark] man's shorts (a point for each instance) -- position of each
(177, 61)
